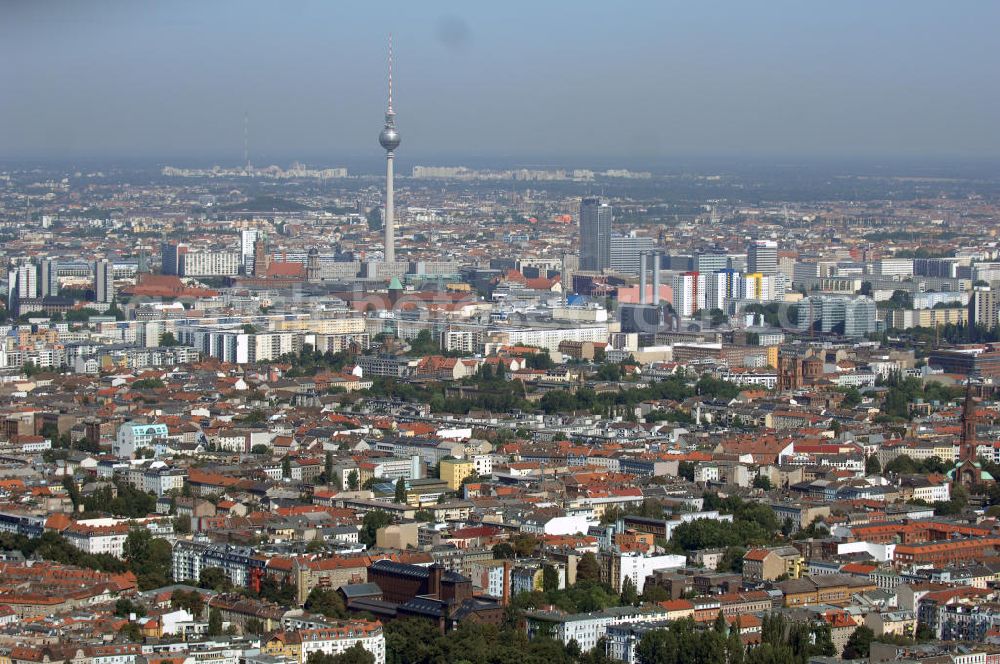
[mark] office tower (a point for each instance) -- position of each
(984, 308)
(48, 278)
(764, 287)
(722, 287)
(837, 314)
(170, 257)
(946, 268)
(643, 319)
(104, 282)
(710, 262)
(595, 234)
(678, 262)
(762, 257)
(389, 140)
(689, 293)
(22, 284)
(626, 250)
(247, 239)
(569, 265)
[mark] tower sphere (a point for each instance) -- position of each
(389, 138)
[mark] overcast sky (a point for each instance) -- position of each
(539, 79)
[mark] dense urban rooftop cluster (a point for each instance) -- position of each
(714, 418)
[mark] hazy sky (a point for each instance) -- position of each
(539, 79)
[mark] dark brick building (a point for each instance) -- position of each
(401, 582)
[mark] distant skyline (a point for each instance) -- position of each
(628, 84)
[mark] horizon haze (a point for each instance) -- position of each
(644, 83)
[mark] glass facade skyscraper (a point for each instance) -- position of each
(595, 234)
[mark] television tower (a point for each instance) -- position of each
(389, 140)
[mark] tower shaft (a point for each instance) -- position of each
(390, 239)
(389, 140)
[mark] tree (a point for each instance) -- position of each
(215, 578)
(823, 640)
(327, 602)
(125, 607)
(767, 653)
(352, 480)
(957, 504)
(424, 344)
(653, 594)
(859, 644)
(629, 593)
(279, 593)
(191, 601)
(370, 524)
(588, 569)
(504, 551)
(762, 482)
(873, 466)
(328, 467)
(609, 373)
(541, 361)
(681, 643)
(720, 625)
(524, 545)
(71, 489)
(120, 499)
(773, 629)
(214, 622)
(732, 560)
(735, 650)
(168, 339)
(182, 525)
(400, 496)
(900, 299)
(550, 578)
(149, 558)
(286, 467)
(852, 397)
(254, 626)
(131, 632)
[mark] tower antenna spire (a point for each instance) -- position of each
(390, 73)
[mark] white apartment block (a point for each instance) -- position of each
(550, 338)
(95, 538)
(134, 436)
(210, 264)
(335, 640)
(587, 628)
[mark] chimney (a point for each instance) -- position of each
(505, 601)
(434, 580)
(656, 279)
(642, 277)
